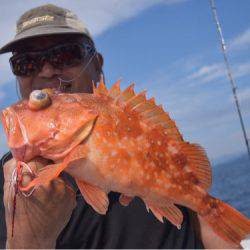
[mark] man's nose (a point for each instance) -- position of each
(48, 71)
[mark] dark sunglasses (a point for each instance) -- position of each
(60, 56)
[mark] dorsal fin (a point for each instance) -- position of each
(101, 89)
(94, 87)
(142, 106)
(125, 95)
(128, 93)
(198, 162)
(156, 110)
(115, 89)
(157, 116)
(137, 99)
(148, 110)
(151, 100)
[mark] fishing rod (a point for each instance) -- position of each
(229, 72)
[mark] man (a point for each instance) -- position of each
(53, 49)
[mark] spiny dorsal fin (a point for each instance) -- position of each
(143, 106)
(157, 116)
(94, 87)
(134, 101)
(128, 93)
(155, 111)
(152, 100)
(115, 90)
(101, 89)
(151, 113)
(198, 163)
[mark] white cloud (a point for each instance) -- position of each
(240, 42)
(217, 71)
(208, 73)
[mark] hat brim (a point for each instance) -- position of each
(40, 31)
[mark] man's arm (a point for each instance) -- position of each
(208, 237)
(41, 217)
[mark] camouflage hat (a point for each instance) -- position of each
(46, 20)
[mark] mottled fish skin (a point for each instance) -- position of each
(120, 141)
(133, 157)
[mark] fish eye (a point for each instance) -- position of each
(39, 99)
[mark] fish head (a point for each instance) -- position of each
(51, 130)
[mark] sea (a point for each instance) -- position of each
(231, 183)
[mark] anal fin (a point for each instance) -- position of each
(171, 212)
(94, 196)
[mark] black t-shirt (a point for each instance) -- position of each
(121, 227)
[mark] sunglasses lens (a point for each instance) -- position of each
(64, 56)
(22, 65)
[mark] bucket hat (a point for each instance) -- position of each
(47, 19)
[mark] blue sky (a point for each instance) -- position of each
(171, 49)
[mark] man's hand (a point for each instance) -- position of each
(40, 217)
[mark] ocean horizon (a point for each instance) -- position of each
(231, 182)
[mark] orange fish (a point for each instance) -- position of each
(119, 141)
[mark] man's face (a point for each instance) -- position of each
(48, 76)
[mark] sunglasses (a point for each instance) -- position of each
(60, 56)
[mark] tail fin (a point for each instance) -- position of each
(226, 221)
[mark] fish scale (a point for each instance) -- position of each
(147, 177)
(115, 140)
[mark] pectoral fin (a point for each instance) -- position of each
(50, 172)
(44, 176)
(94, 196)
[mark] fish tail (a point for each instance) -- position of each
(226, 221)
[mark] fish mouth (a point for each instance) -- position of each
(16, 140)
